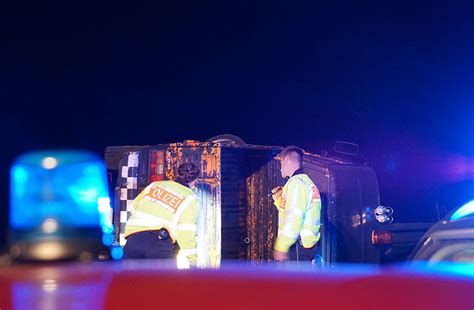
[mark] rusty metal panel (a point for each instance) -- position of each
(234, 208)
(249, 219)
(208, 190)
(262, 217)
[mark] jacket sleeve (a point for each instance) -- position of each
(296, 203)
(187, 230)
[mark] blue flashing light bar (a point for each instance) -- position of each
(64, 187)
(465, 210)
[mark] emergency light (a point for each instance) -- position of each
(465, 210)
(58, 200)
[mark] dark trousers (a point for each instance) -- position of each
(148, 244)
(298, 253)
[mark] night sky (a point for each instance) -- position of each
(396, 77)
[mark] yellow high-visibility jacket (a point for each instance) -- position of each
(299, 213)
(169, 205)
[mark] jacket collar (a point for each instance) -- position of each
(299, 171)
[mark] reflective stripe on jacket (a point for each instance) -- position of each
(169, 205)
(299, 213)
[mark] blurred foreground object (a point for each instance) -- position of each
(237, 285)
(59, 207)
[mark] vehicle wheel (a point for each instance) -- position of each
(227, 139)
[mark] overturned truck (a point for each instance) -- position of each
(237, 219)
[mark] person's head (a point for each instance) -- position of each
(187, 174)
(291, 159)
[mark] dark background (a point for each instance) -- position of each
(396, 77)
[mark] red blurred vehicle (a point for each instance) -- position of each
(153, 285)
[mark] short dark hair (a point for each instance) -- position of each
(293, 152)
(187, 173)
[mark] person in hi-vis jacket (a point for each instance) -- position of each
(299, 210)
(164, 213)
